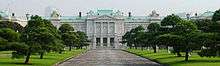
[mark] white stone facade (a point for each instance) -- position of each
(105, 28)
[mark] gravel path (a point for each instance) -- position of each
(107, 57)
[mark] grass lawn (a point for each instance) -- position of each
(165, 58)
(49, 58)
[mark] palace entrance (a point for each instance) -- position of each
(105, 42)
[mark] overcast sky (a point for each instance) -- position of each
(137, 7)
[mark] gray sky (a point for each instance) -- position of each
(137, 7)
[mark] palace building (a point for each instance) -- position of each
(104, 28)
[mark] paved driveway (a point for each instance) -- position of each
(107, 57)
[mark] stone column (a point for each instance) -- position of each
(116, 42)
(94, 42)
(101, 41)
(108, 41)
(94, 34)
(108, 29)
(101, 38)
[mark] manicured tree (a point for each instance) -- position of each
(3, 43)
(51, 39)
(45, 39)
(9, 34)
(134, 37)
(153, 27)
(182, 28)
(171, 40)
(171, 20)
(141, 39)
(187, 29)
(153, 31)
(210, 42)
(30, 36)
(9, 41)
(65, 28)
(13, 25)
(69, 39)
(38, 37)
(168, 25)
(82, 39)
(126, 39)
(203, 24)
(0, 17)
(138, 31)
(68, 36)
(205, 40)
(216, 16)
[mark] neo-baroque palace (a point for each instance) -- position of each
(104, 28)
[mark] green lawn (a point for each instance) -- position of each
(49, 59)
(165, 58)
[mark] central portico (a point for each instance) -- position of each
(105, 29)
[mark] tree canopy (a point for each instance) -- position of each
(216, 16)
(171, 20)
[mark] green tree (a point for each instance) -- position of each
(0, 17)
(82, 39)
(203, 24)
(134, 37)
(188, 30)
(182, 31)
(151, 35)
(69, 37)
(65, 28)
(210, 43)
(171, 40)
(171, 20)
(39, 36)
(13, 25)
(126, 39)
(138, 31)
(153, 27)
(70, 40)
(216, 16)
(9, 34)
(9, 40)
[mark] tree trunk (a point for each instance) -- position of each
(217, 53)
(70, 48)
(178, 54)
(142, 48)
(41, 55)
(187, 55)
(27, 57)
(60, 52)
(155, 49)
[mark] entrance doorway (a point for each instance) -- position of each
(105, 41)
(112, 42)
(98, 42)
